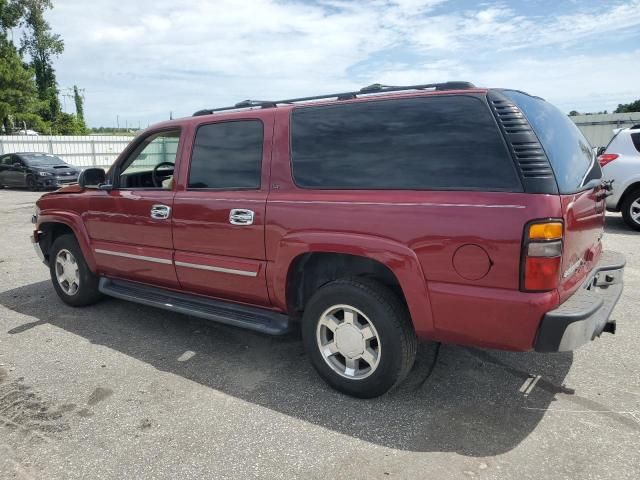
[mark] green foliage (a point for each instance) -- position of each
(79, 101)
(113, 131)
(29, 95)
(17, 88)
(628, 107)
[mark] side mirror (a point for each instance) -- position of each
(17, 165)
(92, 178)
(600, 151)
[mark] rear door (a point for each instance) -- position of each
(578, 176)
(219, 210)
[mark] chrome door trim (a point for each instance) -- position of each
(233, 271)
(164, 261)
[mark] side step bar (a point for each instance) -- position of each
(264, 321)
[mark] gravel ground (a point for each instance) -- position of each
(119, 390)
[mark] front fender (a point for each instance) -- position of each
(398, 258)
(75, 223)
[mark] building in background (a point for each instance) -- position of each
(598, 128)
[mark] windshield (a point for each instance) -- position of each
(572, 158)
(42, 159)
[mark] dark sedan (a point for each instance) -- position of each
(35, 171)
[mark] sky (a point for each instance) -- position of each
(139, 60)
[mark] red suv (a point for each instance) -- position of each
(374, 219)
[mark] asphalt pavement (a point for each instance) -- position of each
(119, 390)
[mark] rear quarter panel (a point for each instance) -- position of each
(432, 226)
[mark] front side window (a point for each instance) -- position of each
(227, 156)
(152, 163)
(424, 143)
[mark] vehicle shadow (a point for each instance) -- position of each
(615, 225)
(471, 404)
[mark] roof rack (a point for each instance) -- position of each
(368, 90)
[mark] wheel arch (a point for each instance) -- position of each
(634, 185)
(307, 260)
(51, 226)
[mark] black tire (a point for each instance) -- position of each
(385, 312)
(31, 184)
(87, 291)
(629, 199)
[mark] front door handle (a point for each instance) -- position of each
(240, 216)
(160, 212)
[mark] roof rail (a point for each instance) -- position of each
(371, 89)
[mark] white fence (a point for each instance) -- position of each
(82, 151)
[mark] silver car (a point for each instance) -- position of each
(621, 162)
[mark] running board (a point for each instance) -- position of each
(251, 318)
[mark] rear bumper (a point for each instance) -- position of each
(585, 315)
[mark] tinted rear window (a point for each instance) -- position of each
(439, 143)
(572, 158)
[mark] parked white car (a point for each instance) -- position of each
(621, 162)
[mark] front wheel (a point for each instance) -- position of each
(32, 185)
(631, 209)
(359, 337)
(72, 279)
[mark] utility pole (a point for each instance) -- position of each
(117, 122)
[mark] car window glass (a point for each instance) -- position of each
(151, 164)
(570, 154)
(635, 138)
(227, 155)
(438, 143)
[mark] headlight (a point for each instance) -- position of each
(44, 174)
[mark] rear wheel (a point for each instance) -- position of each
(631, 209)
(72, 279)
(359, 337)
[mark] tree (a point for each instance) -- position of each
(628, 107)
(28, 87)
(18, 96)
(573, 113)
(41, 45)
(79, 101)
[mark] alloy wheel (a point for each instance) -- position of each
(67, 272)
(348, 342)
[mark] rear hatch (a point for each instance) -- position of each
(579, 180)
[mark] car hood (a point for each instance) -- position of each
(56, 169)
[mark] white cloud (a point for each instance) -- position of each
(141, 59)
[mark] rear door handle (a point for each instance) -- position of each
(160, 212)
(240, 216)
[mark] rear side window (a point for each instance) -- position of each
(572, 158)
(438, 143)
(635, 138)
(227, 155)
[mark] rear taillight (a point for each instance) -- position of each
(541, 255)
(607, 158)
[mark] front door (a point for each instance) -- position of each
(16, 174)
(130, 225)
(219, 211)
